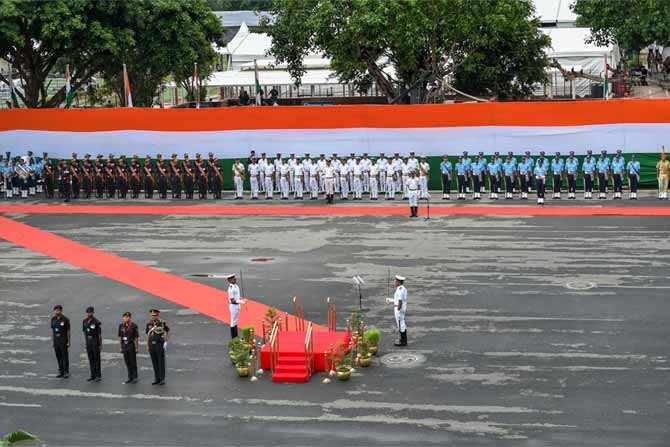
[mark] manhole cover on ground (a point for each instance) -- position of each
(580, 285)
(403, 359)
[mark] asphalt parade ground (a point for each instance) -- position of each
(525, 328)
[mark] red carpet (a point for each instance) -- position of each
(199, 297)
(335, 210)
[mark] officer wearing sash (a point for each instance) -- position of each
(618, 165)
(400, 308)
(60, 335)
(93, 334)
(572, 170)
(238, 178)
(158, 334)
(234, 302)
(662, 175)
(129, 337)
(633, 177)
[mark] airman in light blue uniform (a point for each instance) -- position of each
(525, 172)
(494, 174)
(633, 168)
(557, 167)
(468, 175)
(572, 170)
(588, 169)
(477, 168)
(540, 177)
(602, 167)
(509, 170)
(618, 165)
(461, 176)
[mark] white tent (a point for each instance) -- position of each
(570, 49)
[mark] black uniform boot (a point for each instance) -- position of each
(400, 340)
(404, 338)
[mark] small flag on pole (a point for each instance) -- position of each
(259, 91)
(196, 86)
(14, 100)
(126, 88)
(68, 87)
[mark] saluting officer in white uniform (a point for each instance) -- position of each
(234, 302)
(399, 301)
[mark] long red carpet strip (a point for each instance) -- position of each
(336, 210)
(199, 297)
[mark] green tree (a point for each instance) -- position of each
(39, 38)
(632, 24)
(408, 46)
(167, 38)
(240, 5)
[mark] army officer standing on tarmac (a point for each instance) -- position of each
(158, 334)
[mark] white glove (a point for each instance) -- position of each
(164, 345)
(389, 300)
(243, 301)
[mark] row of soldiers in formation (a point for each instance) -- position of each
(157, 334)
(512, 175)
(347, 176)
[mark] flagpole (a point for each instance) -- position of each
(11, 88)
(605, 95)
(68, 87)
(258, 85)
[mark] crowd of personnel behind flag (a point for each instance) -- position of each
(299, 178)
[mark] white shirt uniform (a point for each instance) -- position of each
(413, 185)
(328, 173)
(253, 179)
(390, 182)
(269, 171)
(400, 298)
(405, 168)
(284, 169)
(358, 181)
(344, 180)
(291, 174)
(366, 163)
(423, 178)
(382, 163)
(238, 171)
(262, 163)
(313, 183)
(306, 163)
(321, 163)
(374, 181)
(277, 164)
(297, 179)
(234, 303)
(413, 162)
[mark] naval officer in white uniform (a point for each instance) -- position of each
(399, 301)
(234, 302)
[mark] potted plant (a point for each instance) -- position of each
(372, 337)
(246, 334)
(234, 346)
(364, 355)
(243, 360)
(344, 363)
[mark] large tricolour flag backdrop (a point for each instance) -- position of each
(639, 126)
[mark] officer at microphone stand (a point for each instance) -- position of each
(399, 301)
(234, 302)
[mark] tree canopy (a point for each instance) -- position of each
(239, 5)
(488, 47)
(154, 38)
(632, 24)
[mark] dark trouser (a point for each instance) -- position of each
(602, 182)
(477, 187)
(75, 187)
(202, 187)
(62, 356)
(233, 331)
(572, 183)
(157, 353)
(162, 186)
(632, 179)
(540, 188)
(588, 183)
(88, 187)
(130, 357)
(111, 187)
(524, 183)
(49, 186)
(176, 187)
(188, 186)
(99, 187)
(482, 183)
(556, 183)
(495, 186)
(446, 184)
(148, 187)
(134, 187)
(617, 182)
(461, 183)
(122, 187)
(216, 187)
(64, 189)
(93, 352)
(509, 184)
